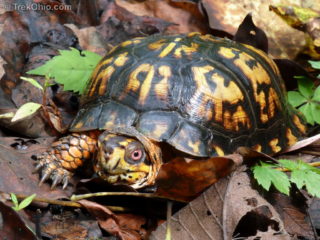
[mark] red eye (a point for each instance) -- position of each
(136, 155)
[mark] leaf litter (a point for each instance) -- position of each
(220, 212)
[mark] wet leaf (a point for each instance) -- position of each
(25, 110)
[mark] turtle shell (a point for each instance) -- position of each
(203, 95)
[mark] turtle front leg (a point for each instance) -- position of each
(65, 156)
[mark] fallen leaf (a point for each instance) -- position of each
(185, 15)
(184, 179)
(284, 42)
(216, 213)
(295, 219)
(17, 167)
(12, 226)
(110, 222)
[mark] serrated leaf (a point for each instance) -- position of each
(315, 64)
(71, 68)
(316, 94)
(25, 202)
(266, 175)
(307, 178)
(305, 86)
(306, 110)
(289, 164)
(296, 99)
(33, 82)
(26, 110)
(297, 177)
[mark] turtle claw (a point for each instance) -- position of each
(50, 167)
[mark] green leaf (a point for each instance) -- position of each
(7, 115)
(33, 82)
(71, 68)
(25, 202)
(26, 110)
(14, 199)
(266, 175)
(315, 111)
(305, 86)
(306, 110)
(316, 94)
(315, 64)
(295, 98)
(307, 178)
(289, 164)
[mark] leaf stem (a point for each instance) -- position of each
(313, 164)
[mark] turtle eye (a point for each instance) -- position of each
(136, 155)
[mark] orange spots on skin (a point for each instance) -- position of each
(227, 52)
(274, 145)
(161, 88)
(290, 137)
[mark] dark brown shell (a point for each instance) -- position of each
(203, 95)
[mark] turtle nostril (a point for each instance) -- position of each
(108, 151)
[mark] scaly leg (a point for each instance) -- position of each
(65, 156)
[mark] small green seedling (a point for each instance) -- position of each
(23, 204)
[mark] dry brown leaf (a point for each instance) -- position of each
(185, 16)
(295, 219)
(17, 167)
(113, 224)
(284, 42)
(216, 213)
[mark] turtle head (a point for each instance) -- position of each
(123, 159)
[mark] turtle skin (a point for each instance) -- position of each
(200, 95)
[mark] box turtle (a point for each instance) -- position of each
(154, 98)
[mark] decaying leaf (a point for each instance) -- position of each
(306, 20)
(218, 213)
(284, 42)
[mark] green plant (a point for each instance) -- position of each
(71, 68)
(307, 98)
(301, 174)
(24, 203)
